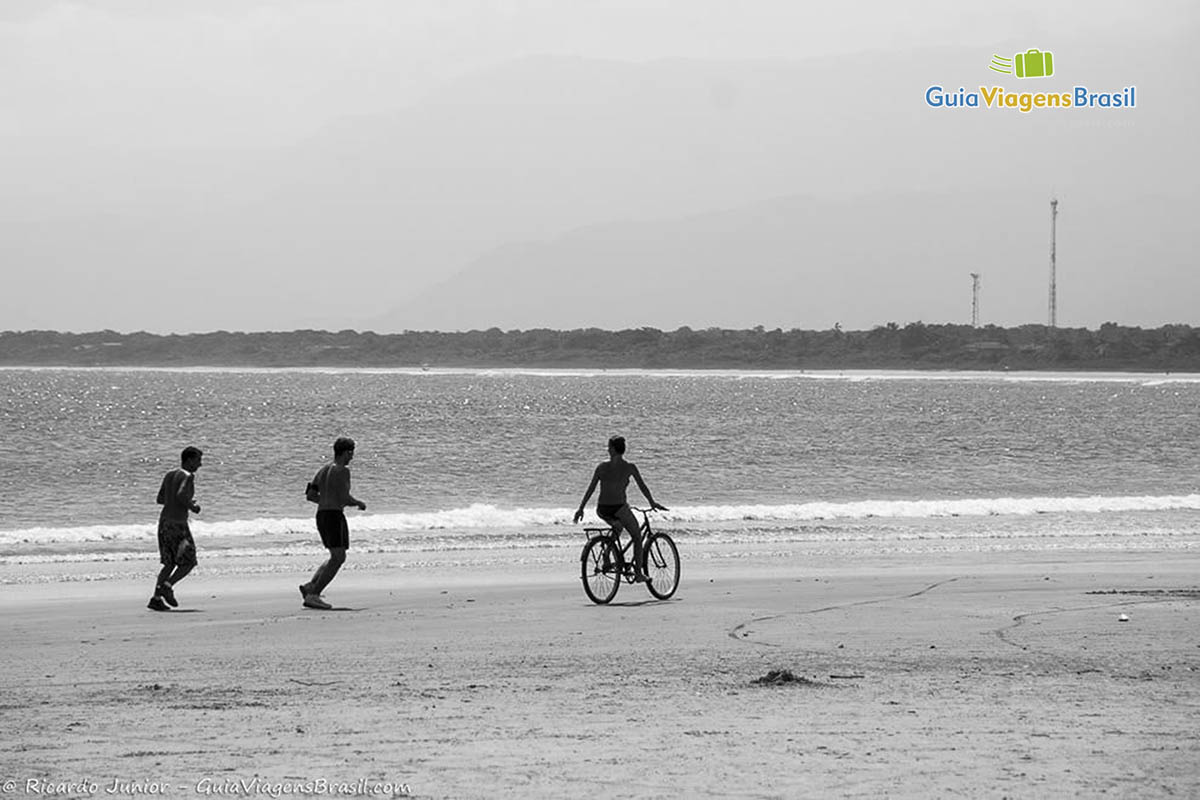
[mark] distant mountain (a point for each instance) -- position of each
(375, 211)
(682, 157)
(811, 263)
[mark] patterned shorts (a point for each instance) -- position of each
(175, 545)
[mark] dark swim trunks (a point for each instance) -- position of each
(331, 524)
(176, 547)
(608, 512)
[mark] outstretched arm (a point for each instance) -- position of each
(588, 494)
(637, 476)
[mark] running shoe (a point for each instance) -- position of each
(167, 593)
(156, 604)
(315, 601)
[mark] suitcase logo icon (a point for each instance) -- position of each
(1032, 63)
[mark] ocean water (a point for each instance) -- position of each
(498, 459)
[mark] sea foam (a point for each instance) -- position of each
(498, 519)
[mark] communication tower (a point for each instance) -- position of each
(1053, 277)
(974, 299)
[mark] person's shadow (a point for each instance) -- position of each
(178, 610)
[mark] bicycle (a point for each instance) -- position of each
(604, 563)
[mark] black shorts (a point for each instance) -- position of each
(331, 524)
(175, 545)
(608, 512)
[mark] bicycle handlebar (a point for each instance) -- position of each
(643, 511)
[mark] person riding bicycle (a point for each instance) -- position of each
(611, 506)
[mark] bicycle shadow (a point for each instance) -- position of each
(649, 601)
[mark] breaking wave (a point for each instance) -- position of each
(517, 522)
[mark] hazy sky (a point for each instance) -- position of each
(141, 141)
(262, 71)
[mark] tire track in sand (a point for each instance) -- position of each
(738, 632)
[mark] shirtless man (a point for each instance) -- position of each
(176, 548)
(333, 484)
(611, 506)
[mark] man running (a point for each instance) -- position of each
(611, 506)
(333, 487)
(176, 548)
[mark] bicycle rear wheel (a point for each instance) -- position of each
(662, 565)
(601, 570)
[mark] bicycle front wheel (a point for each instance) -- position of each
(601, 570)
(662, 565)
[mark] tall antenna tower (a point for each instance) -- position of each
(1053, 267)
(974, 299)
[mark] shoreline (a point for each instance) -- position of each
(822, 373)
(916, 346)
(228, 560)
(916, 675)
(964, 522)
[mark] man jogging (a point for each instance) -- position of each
(333, 495)
(176, 548)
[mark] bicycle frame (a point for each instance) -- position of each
(605, 563)
(623, 541)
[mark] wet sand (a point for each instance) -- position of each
(912, 676)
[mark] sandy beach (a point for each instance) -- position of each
(915, 675)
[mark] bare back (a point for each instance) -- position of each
(333, 481)
(613, 477)
(175, 495)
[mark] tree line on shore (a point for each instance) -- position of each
(891, 346)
